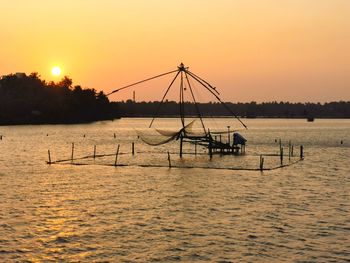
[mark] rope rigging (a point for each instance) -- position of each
(184, 81)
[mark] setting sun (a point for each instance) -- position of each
(56, 71)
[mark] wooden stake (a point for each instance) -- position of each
(281, 155)
(280, 143)
(169, 160)
(94, 151)
(289, 150)
(48, 152)
(181, 146)
(301, 152)
(261, 163)
(72, 156)
(195, 147)
(116, 156)
(133, 148)
(210, 149)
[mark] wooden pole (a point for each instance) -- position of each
(169, 161)
(72, 155)
(195, 147)
(289, 149)
(94, 151)
(210, 149)
(301, 152)
(133, 148)
(281, 155)
(181, 139)
(261, 163)
(48, 152)
(292, 151)
(116, 156)
(228, 136)
(280, 143)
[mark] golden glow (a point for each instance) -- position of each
(249, 49)
(56, 71)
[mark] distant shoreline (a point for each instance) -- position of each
(162, 117)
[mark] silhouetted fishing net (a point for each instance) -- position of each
(157, 137)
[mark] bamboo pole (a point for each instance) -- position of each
(301, 152)
(72, 155)
(280, 143)
(261, 163)
(281, 155)
(169, 161)
(116, 156)
(289, 149)
(48, 152)
(181, 139)
(210, 149)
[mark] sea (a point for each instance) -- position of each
(152, 206)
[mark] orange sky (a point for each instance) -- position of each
(261, 50)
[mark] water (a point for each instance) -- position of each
(132, 214)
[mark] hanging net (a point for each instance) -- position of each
(157, 137)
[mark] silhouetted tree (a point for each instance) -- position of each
(28, 99)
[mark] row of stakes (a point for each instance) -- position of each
(281, 155)
(116, 155)
(261, 166)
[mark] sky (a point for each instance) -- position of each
(251, 50)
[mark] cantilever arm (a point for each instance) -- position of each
(217, 97)
(204, 81)
(130, 85)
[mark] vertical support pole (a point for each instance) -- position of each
(169, 161)
(221, 150)
(289, 149)
(48, 152)
(292, 151)
(72, 155)
(133, 148)
(114, 136)
(195, 147)
(228, 135)
(210, 149)
(301, 152)
(261, 163)
(281, 155)
(116, 156)
(280, 143)
(181, 139)
(94, 151)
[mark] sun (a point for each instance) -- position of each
(56, 71)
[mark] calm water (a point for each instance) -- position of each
(132, 214)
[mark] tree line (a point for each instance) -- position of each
(31, 100)
(27, 99)
(252, 109)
